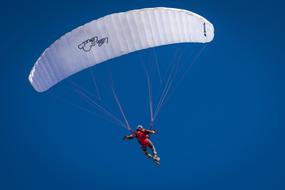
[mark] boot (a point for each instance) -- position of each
(156, 158)
(148, 155)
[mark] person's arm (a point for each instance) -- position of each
(128, 137)
(151, 131)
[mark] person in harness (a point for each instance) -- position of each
(143, 138)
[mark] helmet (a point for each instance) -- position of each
(139, 127)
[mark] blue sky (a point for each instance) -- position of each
(223, 127)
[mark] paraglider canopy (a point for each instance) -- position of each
(115, 35)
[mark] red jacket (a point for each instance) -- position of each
(142, 135)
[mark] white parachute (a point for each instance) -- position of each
(115, 35)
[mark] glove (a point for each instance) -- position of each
(125, 138)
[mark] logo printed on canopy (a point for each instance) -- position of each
(89, 43)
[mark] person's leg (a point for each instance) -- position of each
(151, 146)
(145, 152)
